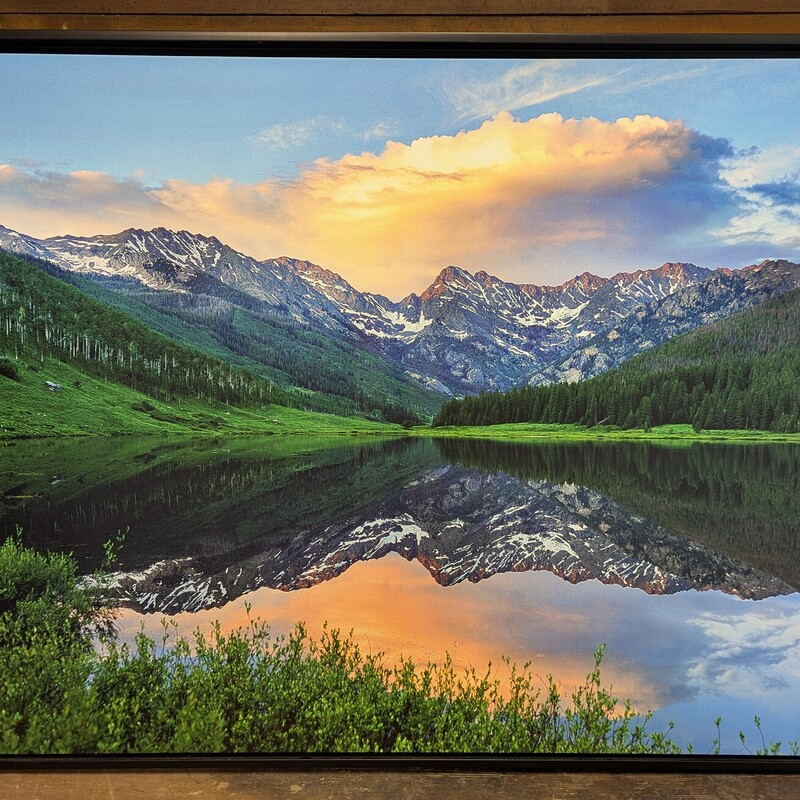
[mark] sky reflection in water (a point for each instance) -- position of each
(691, 656)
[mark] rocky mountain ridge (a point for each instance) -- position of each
(465, 332)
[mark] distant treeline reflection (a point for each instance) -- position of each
(742, 500)
(215, 505)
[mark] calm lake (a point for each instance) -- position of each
(683, 560)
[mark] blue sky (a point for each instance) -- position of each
(388, 170)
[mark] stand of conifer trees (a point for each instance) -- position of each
(742, 373)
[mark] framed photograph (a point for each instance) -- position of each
(401, 401)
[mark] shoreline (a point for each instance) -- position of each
(512, 432)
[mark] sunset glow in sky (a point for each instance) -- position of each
(386, 171)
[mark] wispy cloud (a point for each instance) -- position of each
(669, 75)
(286, 135)
(520, 87)
(380, 130)
(539, 82)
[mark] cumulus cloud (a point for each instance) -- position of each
(509, 196)
(523, 199)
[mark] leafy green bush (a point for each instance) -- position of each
(250, 692)
(8, 368)
(48, 623)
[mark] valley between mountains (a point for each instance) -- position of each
(160, 331)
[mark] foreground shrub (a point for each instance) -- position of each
(251, 692)
(248, 692)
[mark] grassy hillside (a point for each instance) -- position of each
(41, 318)
(88, 406)
(314, 371)
(740, 373)
(71, 365)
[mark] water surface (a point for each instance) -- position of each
(683, 560)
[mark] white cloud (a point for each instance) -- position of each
(622, 82)
(762, 166)
(520, 87)
(754, 653)
(379, 130)
(286, 135)
(538, 82)
(768, 182)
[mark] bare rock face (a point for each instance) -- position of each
(691, 305)
(464, 333)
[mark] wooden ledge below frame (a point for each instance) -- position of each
(315, 785)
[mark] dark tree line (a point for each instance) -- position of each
(742, 373)
(41, 317)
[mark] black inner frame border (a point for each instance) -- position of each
(396, 45)
(400, 45)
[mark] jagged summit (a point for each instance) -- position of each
(462, 334)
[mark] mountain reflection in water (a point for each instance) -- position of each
(374, 531)
(212, 521)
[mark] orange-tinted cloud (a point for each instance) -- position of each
(508, 196)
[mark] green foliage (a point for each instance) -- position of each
(94, 407)
(250, 692)
(42, 317)
(8, 368)
(739, 373)
(765, 748)
(303, 368)
(48, 623)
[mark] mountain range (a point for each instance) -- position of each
(463, 334)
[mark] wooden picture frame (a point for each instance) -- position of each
(214, 27)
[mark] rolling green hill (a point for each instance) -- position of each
(72, 365)
(742, 372)
(314, 371)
